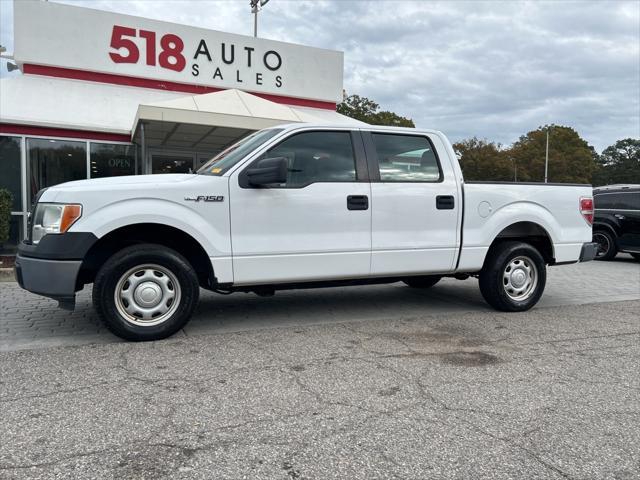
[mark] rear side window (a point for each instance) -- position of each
(317, 157)
(618, 201)
(406, 158)
(633, 201)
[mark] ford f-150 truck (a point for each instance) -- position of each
(298, 206)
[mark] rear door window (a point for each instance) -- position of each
(406, 158)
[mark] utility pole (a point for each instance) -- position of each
(255, 8)
(546, 159)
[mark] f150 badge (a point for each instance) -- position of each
(205, 198)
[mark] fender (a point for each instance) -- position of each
(524, 212)
(213, 235)
(480, 233)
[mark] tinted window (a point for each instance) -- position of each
(317, 157)
(633, 200)
(618, 201)
(406, 158)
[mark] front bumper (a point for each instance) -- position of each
(51, 278)
(51, 267)
(588, 252)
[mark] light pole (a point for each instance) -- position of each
(546, 159)
(515, 170)
(255, 8)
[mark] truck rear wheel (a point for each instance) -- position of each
(145, 292)
(427, 281)
(513, 277)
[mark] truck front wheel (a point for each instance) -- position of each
(513, 277)
(145, 292)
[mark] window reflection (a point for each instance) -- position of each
(112, 160)
(406, 158)
(10, 169)
(55, 161)
(10, 247)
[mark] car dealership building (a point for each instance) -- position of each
(103, 94)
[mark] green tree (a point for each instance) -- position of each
(484, 160)
(571, 159)
(619, 163)
(366, 110)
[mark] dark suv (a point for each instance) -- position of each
(616, 226)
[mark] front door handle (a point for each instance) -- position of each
(358, 202)
(445, 202)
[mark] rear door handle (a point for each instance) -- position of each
(445, 202)
(358, 202)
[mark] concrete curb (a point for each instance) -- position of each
(7, 275)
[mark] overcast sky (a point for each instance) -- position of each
(489, 69)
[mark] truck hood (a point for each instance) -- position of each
(101, 183)
(102, 191)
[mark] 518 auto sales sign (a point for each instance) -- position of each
(55, 35)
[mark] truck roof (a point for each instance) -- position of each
(617, 188)
(295, 126)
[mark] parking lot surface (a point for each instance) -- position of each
(31, 321)
(550, 393)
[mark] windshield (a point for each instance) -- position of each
(226, 159)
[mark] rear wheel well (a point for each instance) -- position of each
(171, 237)
(531, 233)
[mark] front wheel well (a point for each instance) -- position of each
(154, 233)
(531, 233)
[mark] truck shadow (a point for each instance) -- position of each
(243, 311)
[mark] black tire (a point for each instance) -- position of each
(426, 281)
(607, 249)
(493, 283)
(171, 267)
(636, 256)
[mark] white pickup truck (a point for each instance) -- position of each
(298, 206)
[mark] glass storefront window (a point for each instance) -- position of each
(10, 246)
(54, 161)
(172, 163)
(111, 160)
(10, 169)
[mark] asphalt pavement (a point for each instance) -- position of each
(30, 321)
(550, 393)
(364, 382)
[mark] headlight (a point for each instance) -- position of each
(52, 218)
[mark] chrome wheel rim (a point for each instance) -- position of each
(147, 295)
(603, 244)
(520, 278)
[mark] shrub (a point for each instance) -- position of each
(6, 201)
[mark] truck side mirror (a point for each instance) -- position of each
(268, 171)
